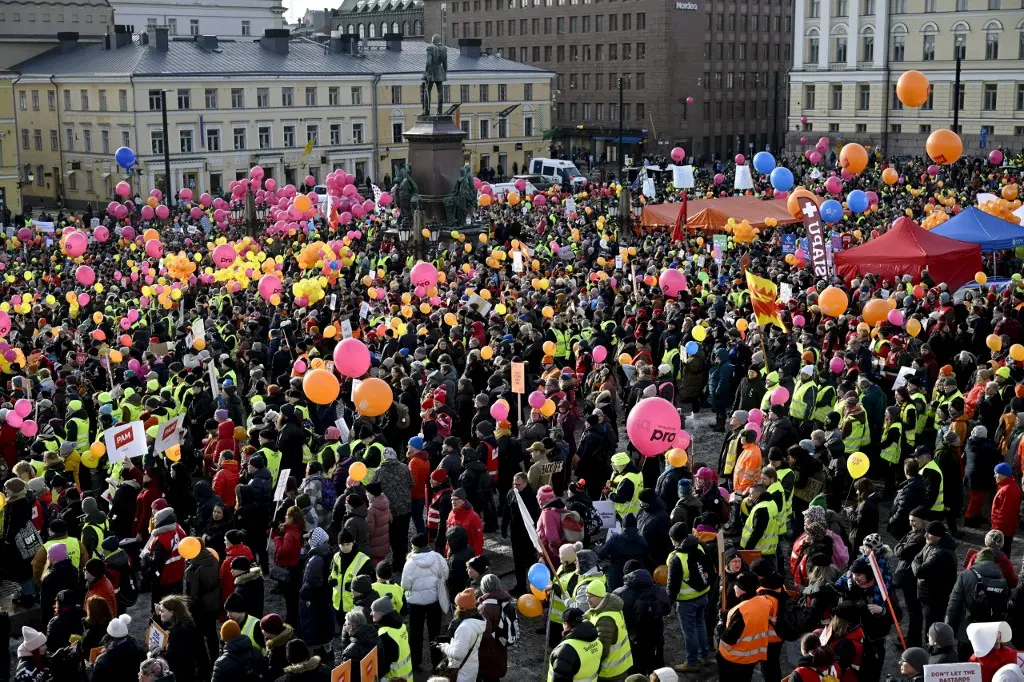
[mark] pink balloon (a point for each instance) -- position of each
(310, 181)
(799, 321)
(270, 184)
(423, 274)
(29, 428)
(256, 172)
(147, 212)
(85, 275)
(756, 428)
(739, 159)
(756, 417)
(185, 194)
(933, 170)
(803, 140)
(162, 212)
(540, 200)
(205, 199)
(123, 189)
(299, 366)
(690, 100)
(499, 411)
(895, 317)
(14, 419)
(23, 407)
(815, 158)
(268, 286)
(653, 426)
(224, 255)
(600, 353)
(672, 282)
(780, 395)
(154, 249)
(536, 400)
(678, 154)
(803, 119)
(76, 243)
(520, 184)
(995, 157)
(83, 299)
(836, 364)
(196, 213)
(719, 178)
(368, 206)
(352, 358)
(385, 199)
(833, 185)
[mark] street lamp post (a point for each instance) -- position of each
(958, 46)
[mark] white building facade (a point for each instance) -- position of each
(238, 19)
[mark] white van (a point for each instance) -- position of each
(321, 191)
(503, 188)
(557, 171)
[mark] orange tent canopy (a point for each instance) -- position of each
(712, 215)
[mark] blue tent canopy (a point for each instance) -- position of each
(977, 227)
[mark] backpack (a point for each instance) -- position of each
(572, 527)
(328, 493)
(649, 608)
(988, 603)
(402, 420)
(508, 624)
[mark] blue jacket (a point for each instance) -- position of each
(622, 547)
(720, 379)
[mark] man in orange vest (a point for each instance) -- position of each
(743, 639)
(745, 475)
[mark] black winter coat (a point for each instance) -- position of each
(120, 660)
(935, 568)
(239, 660)
(186, 653)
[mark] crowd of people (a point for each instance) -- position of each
(350, 431)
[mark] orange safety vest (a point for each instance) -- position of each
(752, 646)
(748, 468)
(773, 638)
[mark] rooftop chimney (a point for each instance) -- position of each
(160, 40)
(68, 40)
(470, 47)
(122, 36)
(393, 42)
(344, 43)
(207, 42)
(276, 40)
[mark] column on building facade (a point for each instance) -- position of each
(798, 36)
(881, 34)
(852, 38)
(825, 35)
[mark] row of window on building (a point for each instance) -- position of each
(483, 93)
(989, 97)
(744, 21)
(56, 17)
(369, 30)
(717, 80)
(898, 44)
(576, 53)
(732, 50)
(841, 8)
(596, 81)
(600, 111)
(245, 26)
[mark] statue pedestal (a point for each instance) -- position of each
(435, 154)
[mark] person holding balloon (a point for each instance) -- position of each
(162, 555)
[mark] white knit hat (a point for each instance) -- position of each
(33, 640)
(118, 627)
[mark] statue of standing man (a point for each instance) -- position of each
(435, 73)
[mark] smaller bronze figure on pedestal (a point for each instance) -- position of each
(435, 73)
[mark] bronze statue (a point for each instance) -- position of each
(460, 202)
(408, 194)
(435, 73)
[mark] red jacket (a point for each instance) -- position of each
(470, 520)
(227, 581)
(225, 482)
(105, 589)
(144, 507)
(419, 467)
(161, 553)
(287, 547)
(1006, 507)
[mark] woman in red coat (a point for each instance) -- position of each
(287, 550)
(1006, 505)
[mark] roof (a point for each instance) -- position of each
(251, 58)
(353, 6)
(977, 227)
(711, 215)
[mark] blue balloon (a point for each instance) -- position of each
(691, 347)
(125, 157)
(782, 179)
(831, 211)
(764, 163)
(857, 201)
(539, 576)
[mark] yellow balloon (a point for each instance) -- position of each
(699, 333)
(858, 464)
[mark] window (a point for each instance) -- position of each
(840, 8)
(898, 6)
(485, 93)
(447, 93)
(1018, 130)
(23, 101)
(262, 97)
(184, 99)
(51, 95)
(899, 42)
(396, 94)
(237, 98)
(246, 31)
(465, 126)
(85, 100)
(813, 9)
(613, 52)
(193, 27)
(1020, 97)
(863, 97)
(897, 105)
(640, 111)
(126, 138)
(264, 137)
(503, 124)
(54, 141)
(213, 139)
(989, 101)
(867, 48)
(929, 103)
(960, 97)
(287, 97)
(357, 133)
(35, 100)
(396, 133)
(924, 129)
(833, 127)
(502, 92)
(156, 139)
(528, 125)
(313, 132)
(73, 182)
(311, 96)
(238, 139)
(641, 81)
(122, 99)
(104, 141)
(335, 131)
(334, 96)
(929, 5)
(928, 49)
(37, 137)
(155, 97)
(812, 50)
(211, 98)
(641, 50)
(839, 49)
(836, 100)
(485, 129)
(357, 94)
(867, 7)
(185, 139)
(463, 93)
(991, 45)
(289, 136)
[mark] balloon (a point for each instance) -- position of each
(995, 157)
(944, 146)
(914, 328)
(499, 410)
(756, 428)
(672, 282)
(661, 575)
(224, 256)
(97, 449)
(124, 157)
(831, 210)
(154, 249)
(548, 408)
(994, 342)
(895, 317)
(536, 400)
(857, 201)
(23, 407)
(780, 395)
(321, 386)
(357, 471)
(699, 333)
(299, 366)
(764, 163)
(875, 311)
(793, 205)
(678, 154)
(981, 278)
(858, 464)
(782, 179)
(423, 274)
(836, 364)
(268, 286)
(799, 321)
(912, 88)
(676, 457)
(599, 353)
(352, 358)
(890, 176)
(739, 159)
(162, 212)
(1017, 352)
(691, 347)
(624, 358)
(834, 185)
(189, 548)
(653, 425)
(539, 576)
(833, 301)
(853, 158)
(85, 275)
(372, 397)
(75, 244)
(529, 606)
(719, 178)
(5, 323)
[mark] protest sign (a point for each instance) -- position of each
(125, 440)
(168, 433)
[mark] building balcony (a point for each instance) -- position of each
(837, 66)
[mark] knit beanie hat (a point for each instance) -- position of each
(545, 494)
(567, 553)
(118, 627)
(229, 630)
(384, 606)
(272, 624)
(466, 599)
(941, 634)
(296, 652)
(915, 657)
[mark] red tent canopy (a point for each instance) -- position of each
(907, 249)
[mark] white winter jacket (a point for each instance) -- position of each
(465, 644)
(421, 576)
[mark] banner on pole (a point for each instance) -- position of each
(528, 522)
(815, 237)
(168, 434)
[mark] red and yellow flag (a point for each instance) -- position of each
(763, 296)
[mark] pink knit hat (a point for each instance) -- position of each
(545, 495)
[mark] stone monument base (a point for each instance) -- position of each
(435, 154)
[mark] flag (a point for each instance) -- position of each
(308, 149)
(640, 177)
(763, 295)
(677, 231)
(376, 193)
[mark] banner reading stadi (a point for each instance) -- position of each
(815, 236)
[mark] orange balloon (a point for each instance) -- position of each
(541, 595)
(794, 207)
(484, 200)
(853, 158)
(1010, 192)
(549, 347)
(199, 343)
(548, 408)
(677, 457)
(833, 301)
(944, 146)
(173, 453)
(372, 397)
(321, 386)
(890, 176)
(661, 575)
(189, 548)
(302, 203)
(875, 311)
(528, 604)
(912, 88)
(357, 471)
(150, 234)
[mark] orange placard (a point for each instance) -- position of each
(368, 667)
(94, 653)
(519, 377)
(343, 673)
